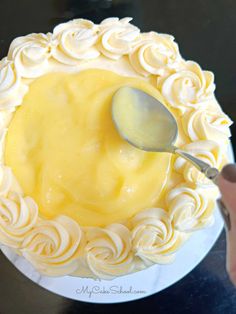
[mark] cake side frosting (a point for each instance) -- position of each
(60, 246)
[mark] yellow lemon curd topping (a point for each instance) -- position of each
(65, 152)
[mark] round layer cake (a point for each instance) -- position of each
(76, 199)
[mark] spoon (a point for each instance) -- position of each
(147, 124)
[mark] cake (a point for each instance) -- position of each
(76, 199)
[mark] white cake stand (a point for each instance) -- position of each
(134, 286)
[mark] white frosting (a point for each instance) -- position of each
(190, 208)
(117, 37)
(156, 54)
(209, 152)
(12, 89)
(205, 124)
(3, 133)
(31, 54)
(109, 251)
(17, 217)
(76, 41)
(189, 88)
(52, 246)
(5, 118)
(154, 238)
(6, 179)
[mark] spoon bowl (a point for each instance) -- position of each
(147, 124)
(143, 121)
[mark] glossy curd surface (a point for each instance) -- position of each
(66, 153)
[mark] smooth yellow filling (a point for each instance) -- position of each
(66, 153)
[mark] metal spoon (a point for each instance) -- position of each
(147, 124)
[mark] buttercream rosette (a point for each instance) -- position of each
(108, 251)
(155, 239)
(53, 246)
(191, 87)
(12, 88)
(207, 124)
(31, 54)
(118, 37)
(75, 41)
(155, 54)
(18, 216)
(190, 207)
(209, 152)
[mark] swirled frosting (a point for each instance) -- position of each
(154, 238)
(190, 208)
(135, 209)
(191, 87)
(109, 251)
(117, 37)
(156, 54)
(31, 53)
(205, 124)
(18, 215)
(52, 246)
(76, 41)
(209, 152)
(12, 89)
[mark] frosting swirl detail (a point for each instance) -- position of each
(53, 246)
(209, 152)
(205, 124)
(190, 208)
(17, 217)
(156, 54)
(12, 89)
(109, 251)
(76, 40)
(31, 53)
(117, 37)
(154, 238)
(189, 88)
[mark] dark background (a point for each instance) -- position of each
(206, 32)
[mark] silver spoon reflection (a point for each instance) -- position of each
(147, 124)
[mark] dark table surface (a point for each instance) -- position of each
(206, 33)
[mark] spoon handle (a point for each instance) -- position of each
(210, 172)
